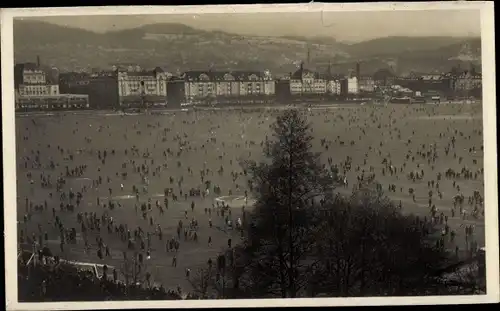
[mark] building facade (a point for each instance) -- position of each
(200, 85)
(38, 90)
(31, 80)
(334, 86)
(206, 85)
(269, 84)
(366, 84)
(133, 83)
(227, 84)
(426, 82)
(140, 87)
(29, 73)
(467, 81)
(352, 85)
(49, 102)
(306, 82)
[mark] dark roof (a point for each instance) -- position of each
(244, 75)
(51, 79)
(141, 73)
(101, 74)
(297, 75)
(194, 75)
(383, 73)
(73, 76)
(28, 66)
(365, 78)
(161, 69)
(469, 73)
(175, 78)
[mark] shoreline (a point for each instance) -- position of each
(156, 111)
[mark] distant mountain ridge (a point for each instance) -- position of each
(182, 47)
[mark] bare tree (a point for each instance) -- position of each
(133, 268)
(367, 247)
(224, 278)
(202, 282)
(342, 246)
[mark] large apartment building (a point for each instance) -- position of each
(143, 82)
(31, 79)
(201, 85)
(467, 81)
(37, 87)
(304, 81)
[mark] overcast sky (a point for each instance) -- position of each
(345, 26)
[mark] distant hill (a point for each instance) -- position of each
(398, 45)
(181, 47)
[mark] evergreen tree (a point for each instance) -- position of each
(289, 183)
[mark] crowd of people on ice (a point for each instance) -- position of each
(101, 232)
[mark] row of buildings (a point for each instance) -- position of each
(37, 87)
(134, 86)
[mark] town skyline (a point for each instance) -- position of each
(348, 27)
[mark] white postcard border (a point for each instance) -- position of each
(490, 154)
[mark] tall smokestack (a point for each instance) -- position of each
(38, 60)
(358, 70)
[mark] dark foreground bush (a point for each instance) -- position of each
(63, 282)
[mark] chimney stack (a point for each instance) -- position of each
(358, 71)
(38, 61)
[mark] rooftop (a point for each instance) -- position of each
(143, 73)
(222, 75)
(28, 66)
(299, 74)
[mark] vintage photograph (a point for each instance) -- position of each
(249, 155)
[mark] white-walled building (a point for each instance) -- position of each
(295, 86)
(137, 83)
(54, 89)
(352, 85)
(334, 87)
(366, 84)
(207, 84)
(33, 75)
(32, 80)
(38, 90)
(227, 85)
(199, 85)
(269, 84)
